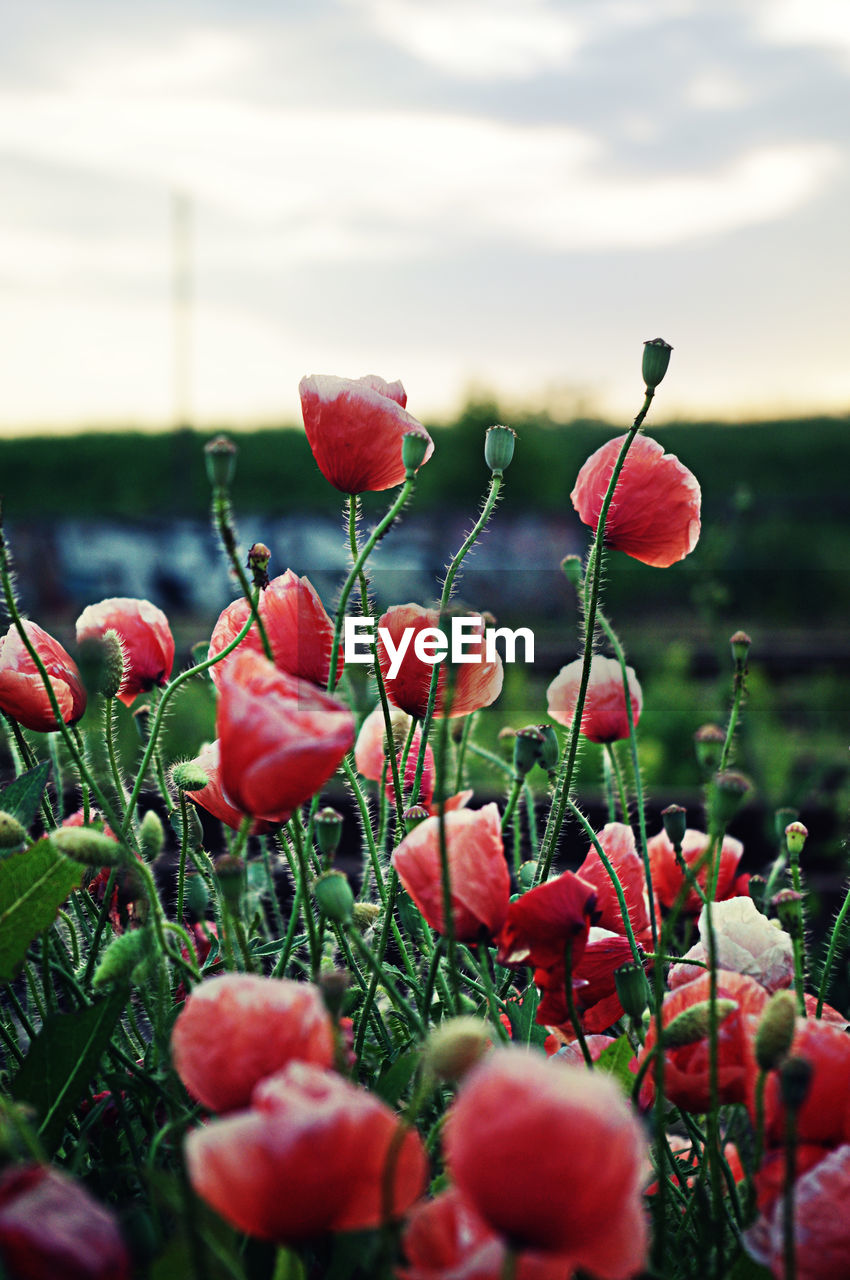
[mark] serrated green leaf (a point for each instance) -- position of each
(397, 1077)
(62, 1059)
(615, 1059)
(33, 886)
(23, 796)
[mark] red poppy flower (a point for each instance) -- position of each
(212, 798)
(370, 753)
(445, 1239)
(235, 1030)
(618, 841)
(604, 718)
(355, 428)
(686, 1068)
(654, 514)
(313, 1154)
(50, 1226)
(821, 1225)
(824, 1117)
(667, 879)
(480, 882)
(146, 641)
(298, 628)
(280, 739)
(547, 1123)
(475, 682)
(22, 692)
(543, 922)
(595, 988)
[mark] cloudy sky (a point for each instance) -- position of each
(507, 195)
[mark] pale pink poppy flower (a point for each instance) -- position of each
(746, 942)
(821, 1223)
(370, 753)
(604, 718)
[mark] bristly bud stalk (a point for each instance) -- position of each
(775, 1030)
(674, 818)
(328, 828)
(258, 562)
(708, 745)
(499, 445)
(220, 459)
(574, 572)
(656, 358)
(795, 838)
(414, 446)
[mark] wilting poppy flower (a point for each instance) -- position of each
(654, 514)
(745, 942)
(821, 1223)
(604, 718)
(824, 1117)
(212, 798)
(618, 841)
(297, 626)
(370, 753)
(667, 879)
(478, 871)
(475, 683)
(355, 428)
(146, 641)
(22, 692)
(280, 739)
(546, 1123)
(313, 1154)
(543, 922)
(235, 1030)
(50, 1226)
(686, 1067)
(445, 1239)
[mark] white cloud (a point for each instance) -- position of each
(822, 23)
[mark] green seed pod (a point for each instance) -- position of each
(674, 818)
(414, 446)
(220, 459)
(121, 958)
(528, 744)
(151, 835)
(708, 744)
(189, 776)
(727, 795)
(548, 752)
(414, 815)
(795, 838)
(740, 643)
(87, 845)
(692, 1024)
(788, 905)
(328, 827)
(12, 833)
(632, 989)
(775, 1030)
(656, 358)
(334, 897)
(499, 445)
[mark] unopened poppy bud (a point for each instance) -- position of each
(499, 445)
(196, 896)
(220, 459)
(674, 818)
(414, 815)
(795, 838)
(775, 1030)
(708, 744)
(728, 794)
(632, 989)
(333, 984)
(795, 1079)
(334, 897)
(781, 819)
(527, 744)
(12, 833)
(230, 877)
(364, 915)
(86, 845)
(740, 643)
(101, 663)
(527, 875)
(548, 752)
(788, 905)
(328, 827)
(693, 1024)
(455, 1046)
(258, 562)
(189, 776)
(572, 567)
(151, 835)
(121, 958)
(656, 358)
(414, 447)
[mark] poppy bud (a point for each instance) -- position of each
(195, 896)
(220, 459)
(87, 845)
(795, 838)
(692, 1024)
(414, 448)
(151, 835)
(101, 660)
(189, 776)
(527, 746)
(740, 643)
(788, 905)
(258, 562)
(573, 571)
(230, 878)
(775, 1031)
(728, 794)
(795, 1079)
(455, 1046)
(708, 744)
(656, 358)
(11, 832)
(121, 958)
(632, 989)
(499, 445)
(674, 818)
(328, 827)
(527, 875)
(548, 750)
(334, 896)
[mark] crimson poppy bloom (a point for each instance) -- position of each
(604, 718)
(475, 682)
(667, 879)
(655, 512)
(297, 625)
(312, 1154)
(543, 922)
(686, 1067)
(22, 692)
(445, 1239)
(355, 428)
(480, 881)
(147, 644)
(280, 739)
(212, 797)
(50, 1226)
(235, 1030)
(548, 1124)
(821, 1224)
